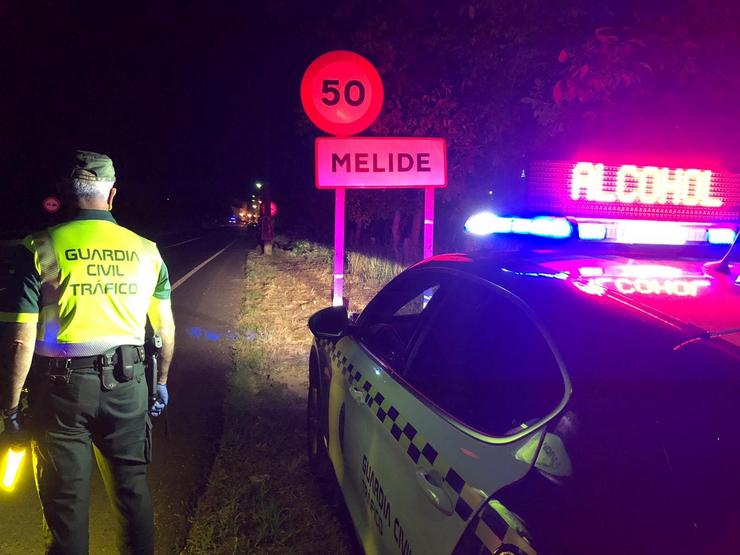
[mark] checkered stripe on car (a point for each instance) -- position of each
(416, 447)
(492, 531)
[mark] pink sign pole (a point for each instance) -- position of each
(428, 232)
(428, 222)
(338, 297)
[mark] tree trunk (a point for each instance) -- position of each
(357, 235)
(396, 233)
(414, 235)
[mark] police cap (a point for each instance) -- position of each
(92, 166)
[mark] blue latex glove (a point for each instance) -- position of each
(12, 422)
(163, 397)
(13, 430)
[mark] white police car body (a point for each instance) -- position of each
(551, 400)
(471, 421)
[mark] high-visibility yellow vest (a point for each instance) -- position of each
(97, 283)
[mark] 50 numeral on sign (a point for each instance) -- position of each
(330, 87)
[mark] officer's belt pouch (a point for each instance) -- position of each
(128, 356)
(107, 371)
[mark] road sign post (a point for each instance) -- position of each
(342, 94)
(428, 221)
(338, 280)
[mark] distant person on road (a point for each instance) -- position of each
(75, 316)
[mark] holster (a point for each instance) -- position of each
(118, 366)
(152, 348)
(106, 367)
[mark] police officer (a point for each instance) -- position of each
(76, 311)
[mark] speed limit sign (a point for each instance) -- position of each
(342, 93)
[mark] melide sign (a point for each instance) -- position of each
(644, 185)
(380, 162)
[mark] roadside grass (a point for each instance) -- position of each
(364, 273)
(261, 497)
(371, 269)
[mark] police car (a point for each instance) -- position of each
(562, 399)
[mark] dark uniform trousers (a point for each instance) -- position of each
(71, 422)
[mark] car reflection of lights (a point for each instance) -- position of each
(590, 288)
(634, 271)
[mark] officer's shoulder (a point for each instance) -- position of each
(29, 241)
(17, 253)
(136, 236)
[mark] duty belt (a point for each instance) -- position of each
(108, 365)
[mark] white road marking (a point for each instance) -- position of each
(187, 276)
(181, 243)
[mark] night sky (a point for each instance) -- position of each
(195, 101)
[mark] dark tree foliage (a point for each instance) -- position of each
(505, 82)
(662, 83)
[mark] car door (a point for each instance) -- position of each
(388, 325)
(459, 420)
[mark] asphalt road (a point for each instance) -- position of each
(206, 270)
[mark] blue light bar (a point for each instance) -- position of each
(720, 236)
(591, 231)
(487, 223)
(521, 225)
(637, 232)
(546, 226)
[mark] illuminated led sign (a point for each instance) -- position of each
(380, 162)
(628, 191)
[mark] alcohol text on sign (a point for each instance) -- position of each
(380, 162)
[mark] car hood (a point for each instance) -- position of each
(690, 292)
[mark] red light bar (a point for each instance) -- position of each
(594, 189)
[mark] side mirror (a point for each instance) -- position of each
(329, 323)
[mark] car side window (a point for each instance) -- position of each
(416, 305)
(484, 361)
(390, 320)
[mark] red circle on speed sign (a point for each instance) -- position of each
(342, 93)
(51, 205)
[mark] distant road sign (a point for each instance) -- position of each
(380, 162)
(51, 205)
(273, 209)
(342, 93)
